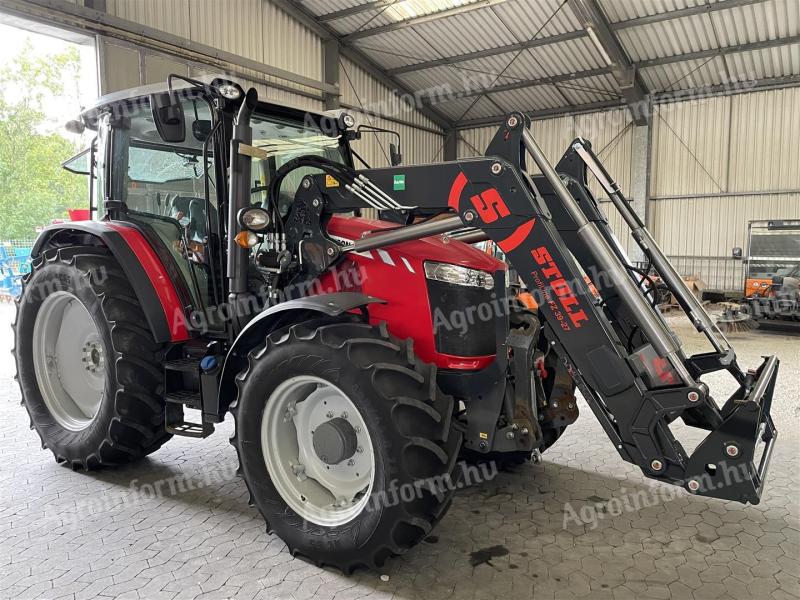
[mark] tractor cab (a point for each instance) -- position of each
(161, 157)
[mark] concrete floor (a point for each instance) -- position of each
(78, 535)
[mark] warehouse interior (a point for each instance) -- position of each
(693, 107)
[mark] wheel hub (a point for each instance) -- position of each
(69, 360)
(317, 450)
(335, 441)
(93, 357)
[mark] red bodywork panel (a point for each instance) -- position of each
(165, 289)
(396, 274)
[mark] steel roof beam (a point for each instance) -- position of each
(700, 54)
(658, 98)
(629, 83)
(543, 114)
(518, 47)
(677, 58)
(449, 12)
(356, 10)
(683, 12)
(526, 83)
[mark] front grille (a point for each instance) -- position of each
(464, 319)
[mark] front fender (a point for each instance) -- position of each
(280, 315)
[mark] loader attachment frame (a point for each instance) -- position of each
(628, 364)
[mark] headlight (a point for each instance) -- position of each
(347, 121)
(254, 218)
(229, 91)
(456, 275)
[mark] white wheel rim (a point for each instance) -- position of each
(69, 360)
(322, 493)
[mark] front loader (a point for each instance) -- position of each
(228, 269)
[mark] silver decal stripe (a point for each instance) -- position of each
(407, 264)
(385, 257)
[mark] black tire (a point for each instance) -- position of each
(408, 418)
(129, 423)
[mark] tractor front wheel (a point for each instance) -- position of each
(345, 442)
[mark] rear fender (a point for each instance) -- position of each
(280, 315)
(154, 289)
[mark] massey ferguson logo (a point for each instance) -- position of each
(566, 298)
(490, 205)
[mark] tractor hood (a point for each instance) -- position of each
(434, 248)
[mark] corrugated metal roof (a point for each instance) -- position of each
(502, 24)
(769, 20)
(765, 63)
(685, 75)
(668, 38)
(525, 18)
(625, 10)
(569, 57)
(540, 97)
(468, 32)
(589, 90)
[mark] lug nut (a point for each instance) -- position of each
(344, 415)
(693, 396)
(693, 485)
(732, 450)
(524, 431)
(307, 184)
(359, 449)
(351, 462)
(656, 465)
(510, 435)
(329, 414)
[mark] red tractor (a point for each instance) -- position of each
(227, 269)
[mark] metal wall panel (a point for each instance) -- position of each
(765, 154)
(166, 15)
(260, 31)
(699, 233)
(690, 147)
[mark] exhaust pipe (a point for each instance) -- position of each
(239, 197)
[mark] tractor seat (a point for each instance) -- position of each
(179, 204)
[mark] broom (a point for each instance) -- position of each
(734, 320)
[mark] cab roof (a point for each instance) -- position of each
(136, 96)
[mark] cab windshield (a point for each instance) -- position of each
(284, 140)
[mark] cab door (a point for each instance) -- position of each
(169, 190)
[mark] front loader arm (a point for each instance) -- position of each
(633, 393)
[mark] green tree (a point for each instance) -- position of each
(34, 189)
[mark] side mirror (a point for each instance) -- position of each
(736, 253)
(394, 155)
(168, 117)
(201, 129)
(75, 126)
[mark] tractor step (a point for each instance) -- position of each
(192, 430)
(188, 398)
(182, 390)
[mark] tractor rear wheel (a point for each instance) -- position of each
(88, 370)
(345, 442)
